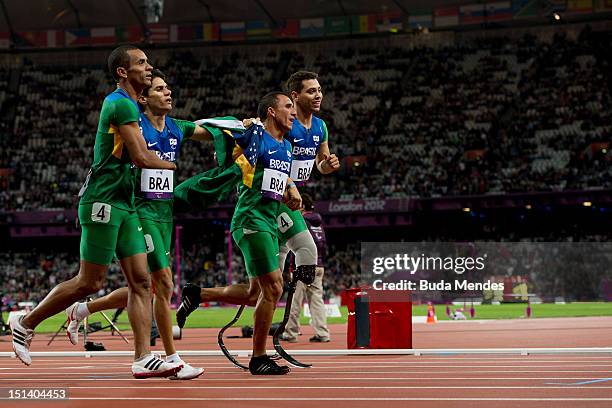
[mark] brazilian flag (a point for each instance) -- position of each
(236, 154)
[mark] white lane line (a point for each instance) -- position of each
(298, 378)
(343, 360)
(319, 368)
(335, 364)
(327, 387)
(317, 372)
(291, 399)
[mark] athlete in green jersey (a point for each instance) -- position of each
(164, 136)
(254, 221)
(293, 233)
(108, 217)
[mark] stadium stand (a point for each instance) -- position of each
(494, 116)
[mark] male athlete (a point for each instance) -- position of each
(153, 190)
(314, 292)
(108, 217)
(309, 138)
(310, 141)
(254, 226)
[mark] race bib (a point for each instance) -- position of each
(101, 212)
(284, 222)
(273, 184)
(301, 169)
(157, 184)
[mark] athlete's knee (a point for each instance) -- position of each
(303, 246)
(162, 282)
(253, 295)
(88, 283)
(272, 288)
(141, 283)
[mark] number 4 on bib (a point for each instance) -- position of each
(284, 222)
(101, 212)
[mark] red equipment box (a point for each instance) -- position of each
(379, 319)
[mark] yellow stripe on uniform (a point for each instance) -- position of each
(117, 142)
(248, 171)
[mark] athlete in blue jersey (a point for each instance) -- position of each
(108, 217)
(310, 142)
(310, 148)
(154, 201)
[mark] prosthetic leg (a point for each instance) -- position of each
(222, 344)
(306, 274)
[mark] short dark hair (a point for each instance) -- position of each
(156, 73)
(119, 57)
(307, 202)
(294, 83)
(269, 100)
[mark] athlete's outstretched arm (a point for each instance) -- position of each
(136, 145)
(201, 134)
(326, 162)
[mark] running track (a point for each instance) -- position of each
(566, 380)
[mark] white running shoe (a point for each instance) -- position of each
(187, 372)
(22, 338)
(152, 366)
(73, 324)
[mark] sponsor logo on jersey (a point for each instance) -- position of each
(304, 151)
(281, 165)
(168, 156)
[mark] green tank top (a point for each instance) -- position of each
(110, 179)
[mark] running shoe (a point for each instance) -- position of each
(191, 301)
(72, 330)
(187, 372)
(264, 365)
(22, 338)
(151, 366)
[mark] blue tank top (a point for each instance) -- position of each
(276, 159)
(305, 145)
(158, 184)
(166, 144)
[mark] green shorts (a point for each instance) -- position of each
(259, 249)
(157, 236)
(108, 230)
(290, 223)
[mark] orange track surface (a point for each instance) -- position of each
(575, 380)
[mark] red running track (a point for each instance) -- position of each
(574, 380)
(359, 381)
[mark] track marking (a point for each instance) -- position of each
(309, 373)
(291, 399)
(326, 387)
(319, 368)
(297, 378)
(584, 382)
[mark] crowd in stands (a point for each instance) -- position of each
(480, 117)
(30, 275)
(566, 268)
